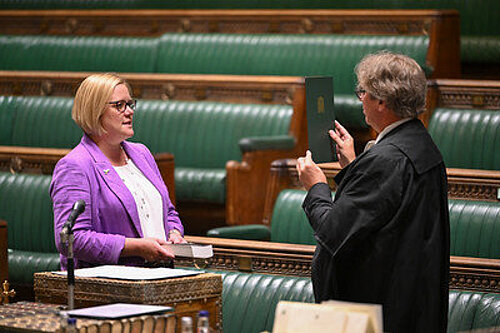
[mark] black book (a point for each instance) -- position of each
(320, 118)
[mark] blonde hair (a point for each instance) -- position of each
(91, 101)
(396, 79)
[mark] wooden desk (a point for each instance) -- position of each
(187, 295)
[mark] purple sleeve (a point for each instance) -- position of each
(69, 184)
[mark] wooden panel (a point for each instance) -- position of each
(16, 159)
(293, 259)
(185, 87)
(466, 94)
(442, 27)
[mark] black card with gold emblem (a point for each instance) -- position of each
(320, 118)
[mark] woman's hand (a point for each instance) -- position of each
(150, 249)
(309, 172)
(175, 237)
(344, 143)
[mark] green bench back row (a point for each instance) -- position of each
(26, 206)
(474, 225)
(203, 136)
(467, 139)
(249, 303)
(260, 54)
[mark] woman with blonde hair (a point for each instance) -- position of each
(128, 215)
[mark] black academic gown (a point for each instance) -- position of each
(385, 237)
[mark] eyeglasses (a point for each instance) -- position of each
(121, 106)
(359, 92)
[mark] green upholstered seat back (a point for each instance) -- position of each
(249, 300)
(280, 54)
(245, 54)
(473, 310)
(475, 229)
(26, 206)
(202, 134)
(249, 303)
(44, 122)
(7, 118)
(258, 54)
(289, 223)
(467, 139)
(72, 53)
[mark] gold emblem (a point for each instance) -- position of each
(321, 104)
(106, 171)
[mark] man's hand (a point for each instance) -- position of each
(309, 172)
(150, 249)
(344, 143)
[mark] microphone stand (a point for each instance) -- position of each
(68, 238)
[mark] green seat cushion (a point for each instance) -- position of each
(289, 223)
(467, 139)
(249, 300)
(475, 229)
(26, 206)
(480, 49)
(23, 264)
(280, 54)
(199, 184)
(7, 119)
(473, 310)
(206, 134)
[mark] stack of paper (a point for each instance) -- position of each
(331, 316)
(132, 273)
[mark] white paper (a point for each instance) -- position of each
(118, 310)
(131, 273)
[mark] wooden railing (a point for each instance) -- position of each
(292, 259)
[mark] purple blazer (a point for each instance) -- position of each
(111, 212)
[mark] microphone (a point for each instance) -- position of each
(78, 208)
(67, 238)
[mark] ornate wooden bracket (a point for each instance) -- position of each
(6, 293)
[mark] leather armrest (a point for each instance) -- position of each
(248, 231)
(278, 142)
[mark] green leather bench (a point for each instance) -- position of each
(467, 138)
(474, 226)
(259, 54)
(249, 303)
(26, 206)
(288, 223)
(478, 21)
(202, 136)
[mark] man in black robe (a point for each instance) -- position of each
(384, 239)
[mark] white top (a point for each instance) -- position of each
(147, 198)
